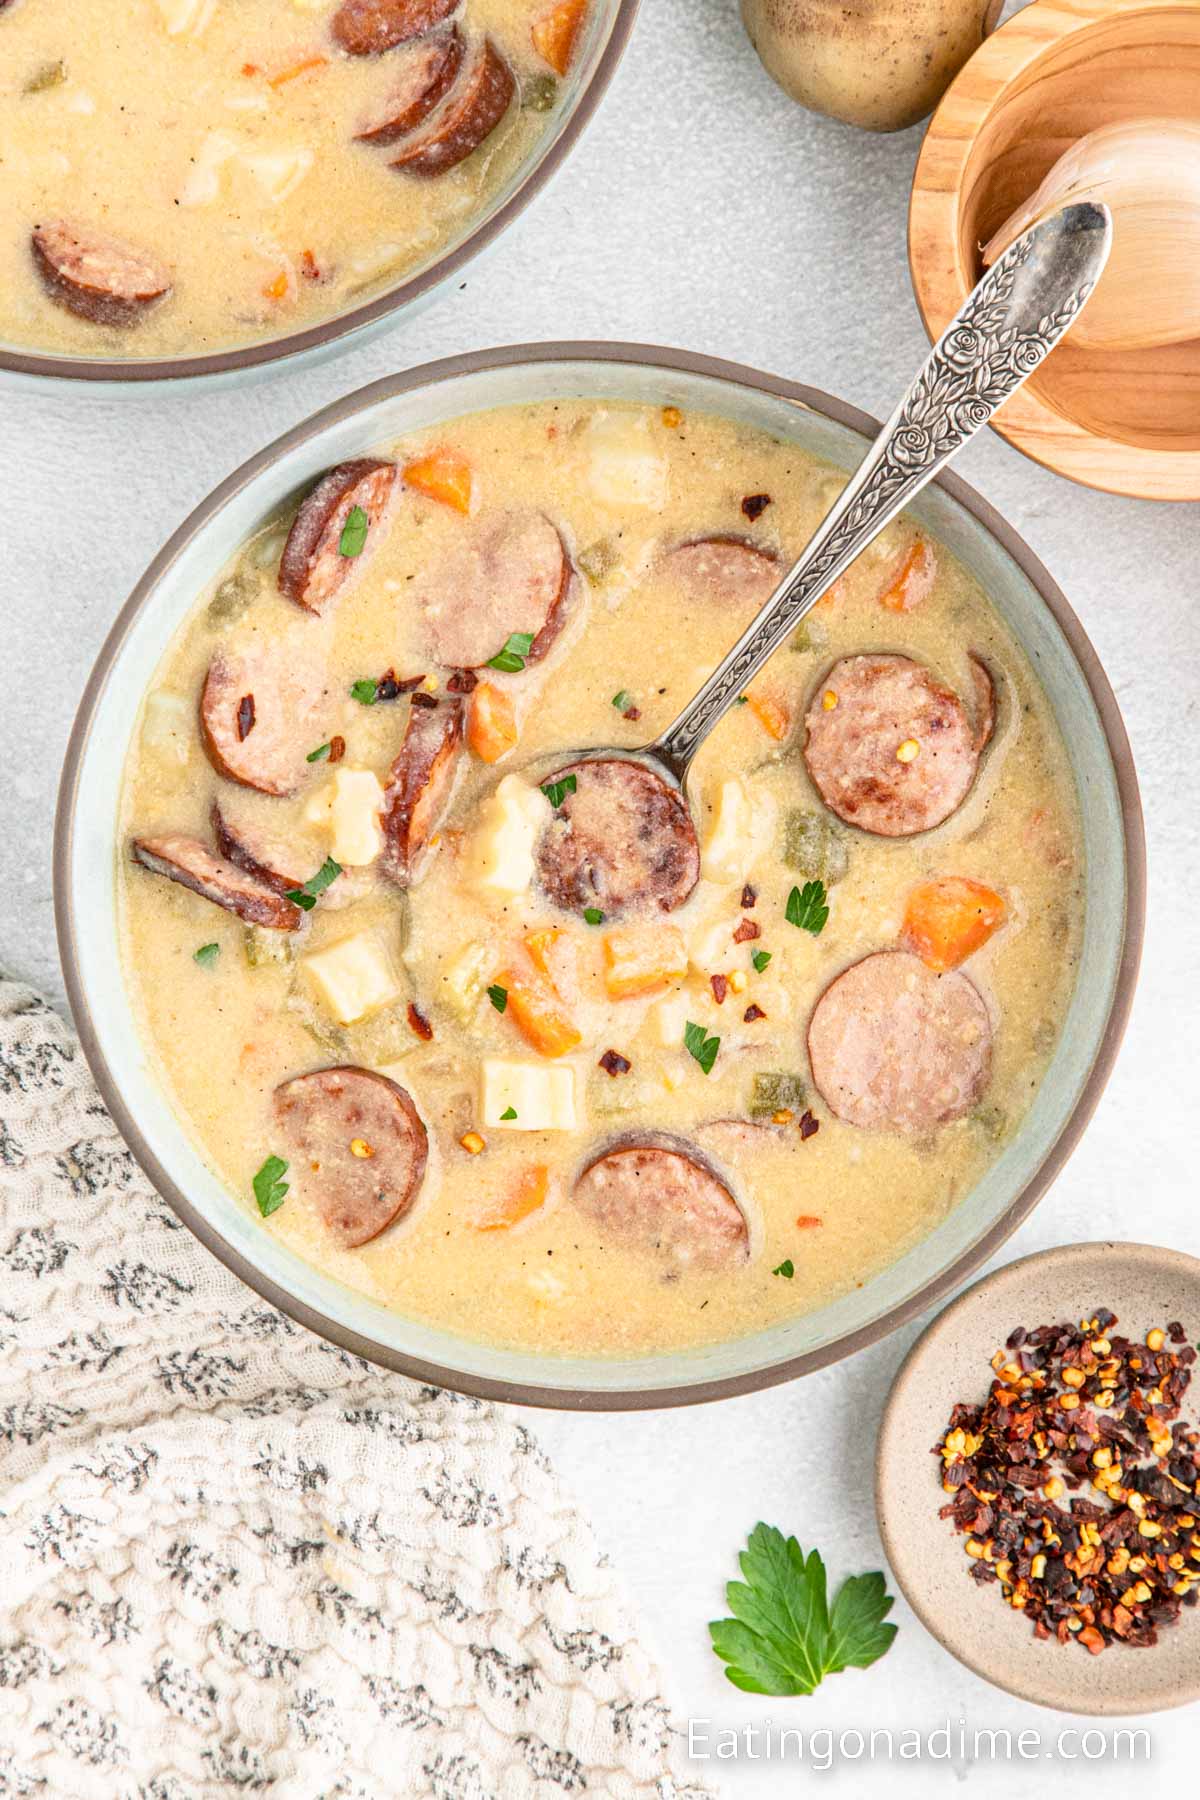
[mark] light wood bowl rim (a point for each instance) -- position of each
(1027, 422)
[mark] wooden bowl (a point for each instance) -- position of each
(1127, 421)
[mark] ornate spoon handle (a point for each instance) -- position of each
(1025, 303)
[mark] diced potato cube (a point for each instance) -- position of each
(669, 1018)
(625, 468)
(641, 959)
(347, 805)
(355, 976)
(512, 821)
(543, 1099)
(278, 173)
(741, 828)
(463, 978)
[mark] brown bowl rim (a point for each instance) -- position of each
(257, 355)
(585, 1399)
(1027, 422)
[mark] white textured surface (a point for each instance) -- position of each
(702, 209)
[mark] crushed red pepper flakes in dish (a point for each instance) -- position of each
(1075, 1407)
(753, 1013)
(809, 1126)
(419, 1023)
(754, 505)
(746, 932)
(749, 896)
(720, 987)
(613, 1063)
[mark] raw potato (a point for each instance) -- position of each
(881, 64)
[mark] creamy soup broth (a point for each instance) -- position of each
(627, 486)
(218, 140)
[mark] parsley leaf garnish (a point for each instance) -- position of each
(354, 533)
(364, 691)
(701, 1046)
(557, 791)
(742, 700)
(787, 1269)
(316, 884)
(498, 997)
(319, 754)
(269, 1187)
(593, 915)
(807, 907)
(510, 1112)
(206, 955)
(783, 1637)
(760, 959)
(511, 660)
(622, 700)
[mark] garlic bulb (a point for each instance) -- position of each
(1147, 171)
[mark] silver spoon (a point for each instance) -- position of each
(1004, 330)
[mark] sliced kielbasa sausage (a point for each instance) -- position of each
(661, 1196)
(191, 863)
(262, 709)
(421, 783)
(729, 570)
(424, 76)
(315, 561)
(621, 838)
(897, 1047)
(267, 859)
(478, 101)
(512, 574)
(369, 27)
(359, 1147)
(890, 747)
(97, 276)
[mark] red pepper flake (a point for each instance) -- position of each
(753, 1013)
(632, 713)
(420, 698)
(390, 686)
(337, 749)
(251, 69)
(807, 1221)
(463, 681)
(749, 896)
(245, 717)
(754, 505)
(809, 1126)
(613, 1063)
(309, 267)
(746, 932)
(720, 987)
(419, 1022)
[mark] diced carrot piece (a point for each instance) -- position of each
(770, 712)
(297, 68)
(912, 578)
(946, 920)
(277, 287)
(807, 1221)
(539, 944)
(491, 723)
(538, 1014)
(641, 959)
(251, 69)
(554, 34)
(442, 475)
(309, 266)
(524, 1198)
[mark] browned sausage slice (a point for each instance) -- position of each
(730, 570)
(664, 1197)
(480, 98)
(890, 748)
(262, 710)
(897, 1047)
(369, 27)
(623, 838)
(268, 860)
(358, 1145)
(985, 703)
(421, 782)
(312, 567)
(95, 275)
(512, 574)
(424, 76)
(191, 863)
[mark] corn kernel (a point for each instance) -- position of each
(782, 1117)
(472, 1143)
(737, 981)
(829, 700)
(672, 418)
(908, 751)
(360, 1147)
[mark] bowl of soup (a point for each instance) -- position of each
(501, 1062)
(199, 188)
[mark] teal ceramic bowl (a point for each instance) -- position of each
(86, 879)
(594, 64)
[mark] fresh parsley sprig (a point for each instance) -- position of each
(808, 907)
(306, 896)
(701, 1046)
(269, 1186)
(353, 540)
(557, 791)
(784, 1637)
(511, 660)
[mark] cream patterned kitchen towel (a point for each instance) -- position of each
(235, 1560)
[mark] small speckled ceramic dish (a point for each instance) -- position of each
(1145, 1287)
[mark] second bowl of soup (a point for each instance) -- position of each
(505, 1062)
